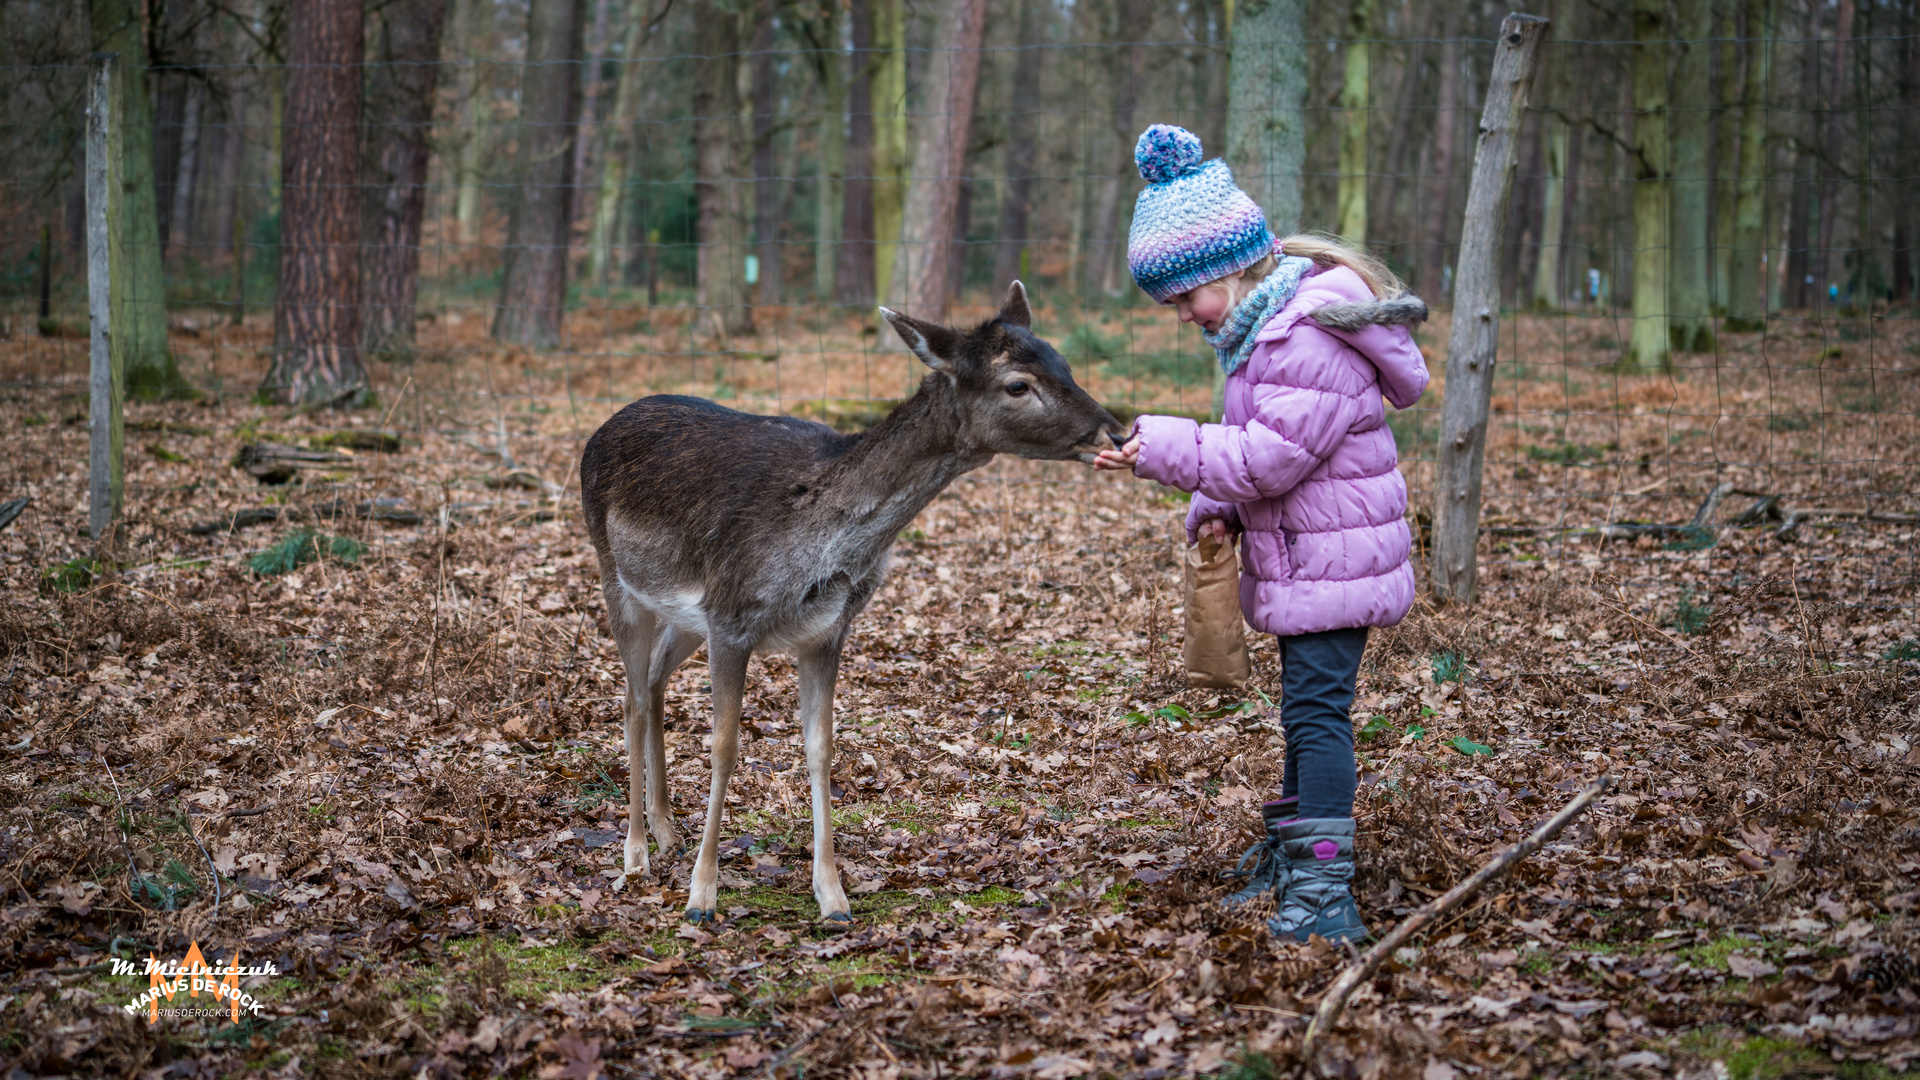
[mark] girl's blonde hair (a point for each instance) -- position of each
(1330, 251)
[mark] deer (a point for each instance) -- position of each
(768, 534)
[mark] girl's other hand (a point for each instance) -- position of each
(1215, 528)
(1114, 460)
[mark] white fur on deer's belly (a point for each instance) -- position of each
(680, 608)
(815, 622)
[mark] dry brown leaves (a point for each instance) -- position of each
(406, 774)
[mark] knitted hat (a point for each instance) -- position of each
(1191, 225)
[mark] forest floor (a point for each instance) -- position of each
(399, 769)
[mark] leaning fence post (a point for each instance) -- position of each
(1476, 308)
(105, 382)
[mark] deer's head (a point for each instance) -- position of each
(1015, 393)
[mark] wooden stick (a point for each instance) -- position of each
(1335, 999)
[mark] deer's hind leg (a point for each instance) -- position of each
(634, 632)
(727, 671)
(670, 649)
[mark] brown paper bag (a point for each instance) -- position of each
(1216, 641)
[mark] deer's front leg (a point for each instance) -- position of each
(727, 670)
(818, 671)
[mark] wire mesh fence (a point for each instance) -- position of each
(1707, 344)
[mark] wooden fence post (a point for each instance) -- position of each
(1476, 307)
(106, 382)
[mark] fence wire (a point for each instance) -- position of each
(1773, 436)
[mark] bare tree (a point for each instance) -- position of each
(939, 160)
(1746, 291)
(1266, 107)
(316, 321)
(722, 200)
(399, 114)
(533, 290)
(1690, 322)
(766, 183)
(1439, 211)
(853, 280)
(1127, 63)
(1650, 341)
(139, 290)
(1023, 123)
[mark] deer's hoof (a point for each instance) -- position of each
(840, 917)
(697, 916)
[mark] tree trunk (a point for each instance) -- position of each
(1726, 145)
(186, 182)
(1107, 248)
(1903, 160)
(1355, 87)
(959, 249)
(1689, 310)
(475, 21)
(169, 124)
(889, 137)
(232, 157)
(1266, 108)
(316, 321)
(1023, 123)
(766, 183)
(830, 137)
(1746, 289)
(722, 228)
(149, 366)
(1822, 262)
(853, 280)
(1549, 289)
(399, 117)
(1439, 210)
(939, 161)
(533, 288)
(1652, 200)
(619, 146)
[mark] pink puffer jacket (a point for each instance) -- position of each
(1304, 466)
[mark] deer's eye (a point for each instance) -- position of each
(1017, 387)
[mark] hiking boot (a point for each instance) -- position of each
(1319, 867)
(1269, 871)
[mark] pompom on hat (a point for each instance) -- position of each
(1192, 224)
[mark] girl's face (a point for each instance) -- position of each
(1207, 306)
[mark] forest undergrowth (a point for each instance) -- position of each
(374, 713)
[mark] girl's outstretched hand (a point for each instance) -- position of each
(1123, 458)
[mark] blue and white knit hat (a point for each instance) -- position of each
(1191, 225)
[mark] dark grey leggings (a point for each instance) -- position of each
(1316, 710)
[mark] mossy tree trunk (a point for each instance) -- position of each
(1266, 107)
(141, 292)
(1689, 315)
(1746, 291)
(1354, 115)
(1651, 341)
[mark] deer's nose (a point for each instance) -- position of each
(1117, 436)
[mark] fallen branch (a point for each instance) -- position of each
(1335, 999)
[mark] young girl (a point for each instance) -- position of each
(1311, 334)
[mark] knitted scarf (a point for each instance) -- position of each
(1234, 341)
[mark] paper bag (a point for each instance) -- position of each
(1216, 639)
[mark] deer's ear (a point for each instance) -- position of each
(1014, 310)
(935, 345)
